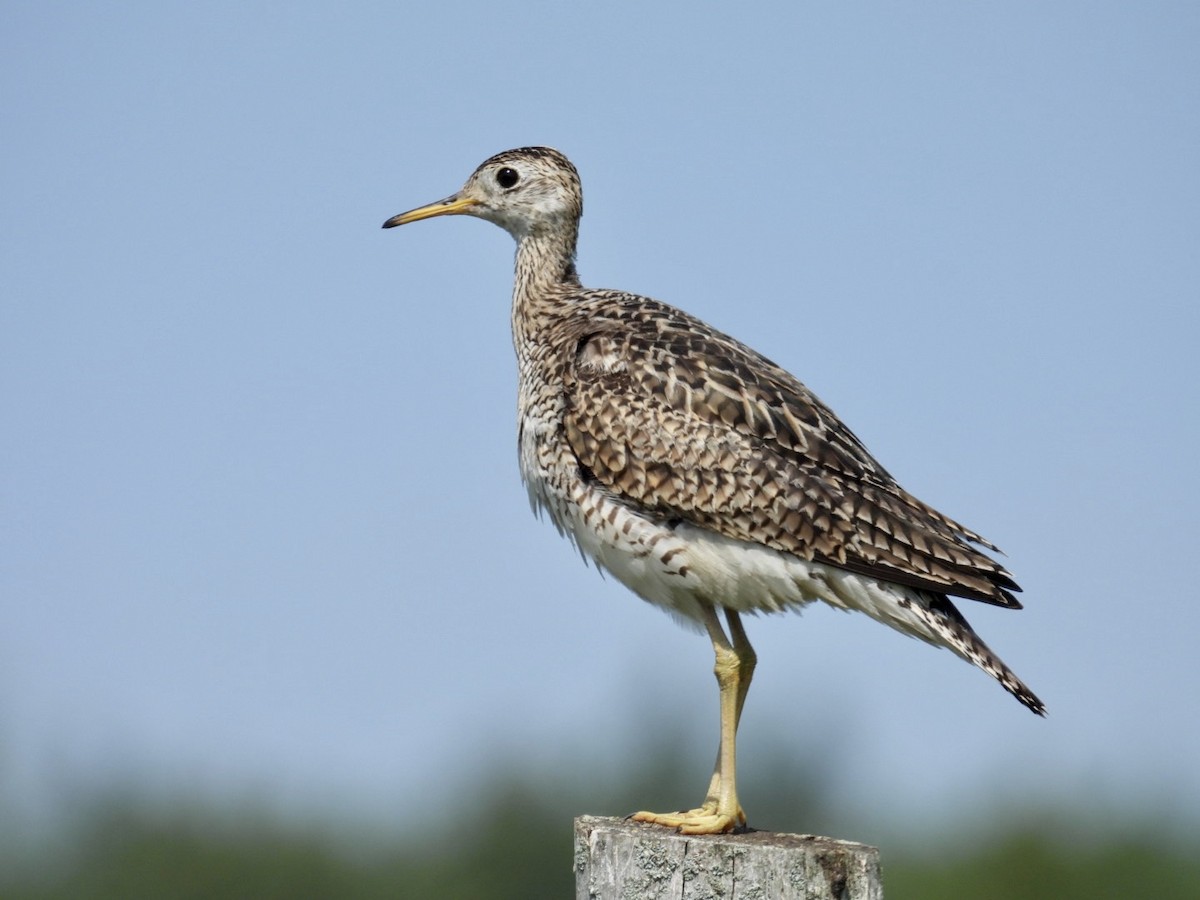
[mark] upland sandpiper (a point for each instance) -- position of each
(700, 474)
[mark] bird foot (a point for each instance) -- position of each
(706, 819)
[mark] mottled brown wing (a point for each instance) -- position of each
(690, 424)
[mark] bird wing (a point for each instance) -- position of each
(687, 423)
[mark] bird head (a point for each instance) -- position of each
(524, 191)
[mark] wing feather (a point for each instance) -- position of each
(687, 423)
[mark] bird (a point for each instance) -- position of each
(701, 475)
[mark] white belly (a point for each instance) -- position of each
(684, 567)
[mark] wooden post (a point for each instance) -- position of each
(616, 860)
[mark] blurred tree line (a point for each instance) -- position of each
(511, 839)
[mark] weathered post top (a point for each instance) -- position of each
(617, 860)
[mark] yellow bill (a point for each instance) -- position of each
(451, 206)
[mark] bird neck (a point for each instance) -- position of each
(545, 264)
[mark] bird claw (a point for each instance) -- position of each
(707, 819)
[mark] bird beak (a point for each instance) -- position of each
(451, 206)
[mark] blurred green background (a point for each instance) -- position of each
(509, 837)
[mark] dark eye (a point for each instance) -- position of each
(507, 177)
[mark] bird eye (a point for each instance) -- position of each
(507, 177)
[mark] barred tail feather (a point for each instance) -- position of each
(957, 634)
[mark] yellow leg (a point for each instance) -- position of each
(748, 659)
(734, 668)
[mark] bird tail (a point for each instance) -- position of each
(957, 634)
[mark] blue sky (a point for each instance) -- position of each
(263, 530)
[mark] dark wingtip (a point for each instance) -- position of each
(1009, 600)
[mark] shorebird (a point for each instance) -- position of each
(704, 477)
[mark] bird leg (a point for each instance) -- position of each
(748, 659)
(734, 668)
